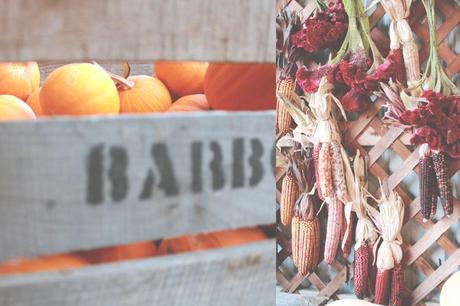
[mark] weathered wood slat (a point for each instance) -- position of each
(70, 184)
(231, 276)
(211, 30)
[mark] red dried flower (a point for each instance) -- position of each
(354, 101)
(429, 136)
(309, 80)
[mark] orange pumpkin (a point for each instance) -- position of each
(143, 94)
(19, 79)
(212, 240)
(120, 252)
(182, 78)
(13, 108)
(79, 89)
(190, 103)
(34, 102)
(239, 87)
(42, 264)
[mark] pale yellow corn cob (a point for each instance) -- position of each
(325, 171)
(283, 118)
(289, 195)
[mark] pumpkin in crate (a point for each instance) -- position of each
(239, 87)
(19, 79)
(142, 94)
(34, 102)
(42, 264)
(120, 252)
(79, 89)
(13, 108)
(182, 78)
(450, 292)
(190, 103)
(211, 240)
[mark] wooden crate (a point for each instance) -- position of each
(80, 183)
(374, 139)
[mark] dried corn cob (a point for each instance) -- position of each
(440, 161)
(334, 228)
(315, 156)
(382, 286)
(309, 245)
(340, 185)
(289, 195)
(325, 171)
(295, 233)
(426, 182)
(361, 274)
(397, 285)
(283, 118)
(434, 195)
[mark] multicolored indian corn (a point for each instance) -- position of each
(361, 273)
(334, 228)
(325, 171)
(440, 161)
(426, 182)
(382, 286)
(397, 286)
(315, 156)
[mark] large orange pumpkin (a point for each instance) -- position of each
(19, 79)
(239, 87)
(13, 108)
(121, 252)
(143, 94)
(42, 264)
(190, 103)
(34, 102)
(212, 240)
(182, 78)
(79, 89)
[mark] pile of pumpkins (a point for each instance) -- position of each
(82, 89)
(132, 251)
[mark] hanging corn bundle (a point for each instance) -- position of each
(287, 23)
(402, 43)
(434, 119)
(366, 234)
(329, 156)
(305, 225)
(389, 220)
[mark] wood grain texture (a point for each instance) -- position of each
(227, 277)
(71, 184)
(212, 30)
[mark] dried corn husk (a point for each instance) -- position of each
(388, 220)
(401, 36)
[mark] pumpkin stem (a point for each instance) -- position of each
(126, 70)
(120, 82)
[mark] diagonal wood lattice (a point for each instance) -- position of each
(372, 137)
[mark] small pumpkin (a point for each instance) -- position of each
(240, 87)
(42, 264)
(211, 240)
(182, 78)
(190, 103)
(142, 94)
(13, 108)
(120, 252)
(19, 79)
(450, 292)
(79, 89)
(34, 102)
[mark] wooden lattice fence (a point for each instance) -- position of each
(372, 137)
